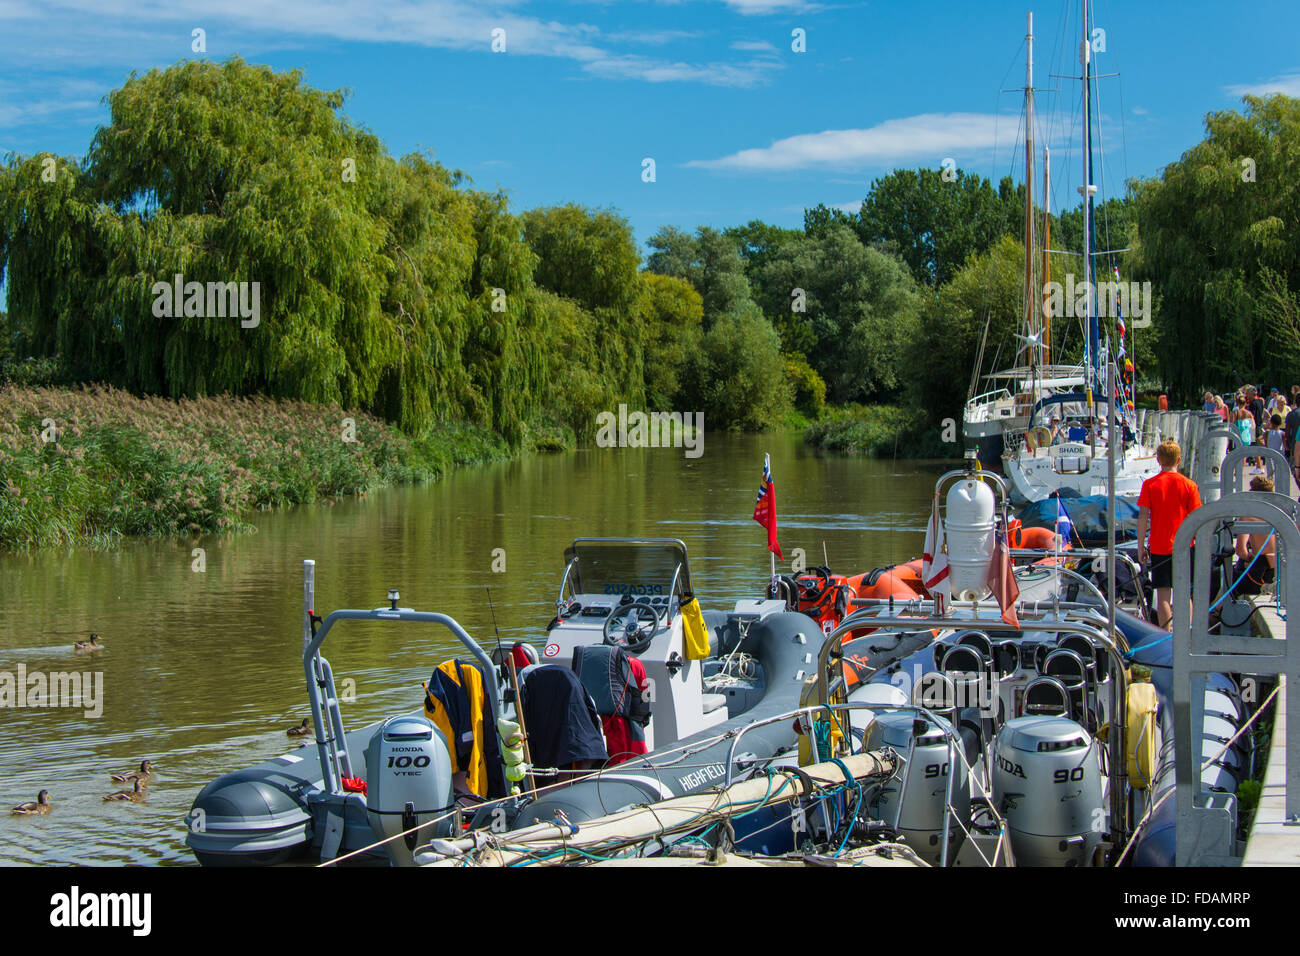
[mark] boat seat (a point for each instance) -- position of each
(712, 702)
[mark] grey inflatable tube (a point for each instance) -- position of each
(786, 645)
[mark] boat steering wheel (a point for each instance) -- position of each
(633, 635)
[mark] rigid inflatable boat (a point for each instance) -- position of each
(392, 781)
(977, 732)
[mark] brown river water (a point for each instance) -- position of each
(202, 671)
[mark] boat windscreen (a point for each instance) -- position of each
(627, 566)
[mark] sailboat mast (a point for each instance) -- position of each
(1087, 190)
(1046, 348)
(1031, 296)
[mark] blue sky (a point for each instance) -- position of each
(740, 126)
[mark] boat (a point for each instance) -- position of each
(342, 798)
(1049, 426)
(958, 733)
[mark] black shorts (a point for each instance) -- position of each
(1162, 568)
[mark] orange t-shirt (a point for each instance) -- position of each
(1171, 498)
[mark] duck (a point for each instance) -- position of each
(135, 796)
(90, 645)
(302, 730)
(144, 774)
(38, 807)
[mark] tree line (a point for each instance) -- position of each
(393, 285)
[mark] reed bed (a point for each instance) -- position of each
(91, 464)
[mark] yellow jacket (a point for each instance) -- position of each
(476, 772)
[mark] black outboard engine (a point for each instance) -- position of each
(408, 782)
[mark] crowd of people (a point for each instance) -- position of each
(1273, 422)
(1169, 497)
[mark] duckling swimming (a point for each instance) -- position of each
(90, 645)
(302, 730)
(38, 807)
(135, 796)
(144, 774)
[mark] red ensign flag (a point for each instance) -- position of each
(765, 508)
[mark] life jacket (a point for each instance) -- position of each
(455, 701)
(617, 683)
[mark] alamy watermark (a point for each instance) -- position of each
(212, 300)
(1132, 300)
(23, 689)
(651, 430)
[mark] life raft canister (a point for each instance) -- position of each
(1140, 734)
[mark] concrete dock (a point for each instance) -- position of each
(1273, 841)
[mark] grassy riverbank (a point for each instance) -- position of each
(880, 431)
(89, 465)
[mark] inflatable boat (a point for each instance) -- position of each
(371, 794)
(1040, 738)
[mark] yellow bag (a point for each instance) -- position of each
(695, 635)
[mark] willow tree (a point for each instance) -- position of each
(1219, 242)
(381, 284)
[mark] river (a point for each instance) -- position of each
(202, 669)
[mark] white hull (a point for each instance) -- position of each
(1037, 475)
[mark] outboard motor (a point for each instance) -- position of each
(1047, 783)
(917, 793)
(408, 781)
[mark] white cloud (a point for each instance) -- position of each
(931, 136)
(155, 32)
(761, 7)
(851, 208)
(661, 71)
(651, 37)
(1287, 83)
(756, 46)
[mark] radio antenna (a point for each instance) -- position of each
(495, 629)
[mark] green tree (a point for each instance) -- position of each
(1217, 239)
(738, 376)
(671, 312)
(710, 261)
(940, 357)
(936, 225)
(859, 311)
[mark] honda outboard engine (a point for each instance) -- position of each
(917, 793)
(408, 782)
(1047, 784)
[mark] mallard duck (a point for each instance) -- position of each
(144, 774)
(135, 796)
(302, 730)
(90, 645)
(38, 807)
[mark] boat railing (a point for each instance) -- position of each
(331, 743)
(954, 744)
(559, 600)
(982, 402)
(1204, 834)
(1057, 623)
(1135, 569)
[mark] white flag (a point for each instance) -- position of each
(934, 562)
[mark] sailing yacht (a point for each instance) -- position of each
(1045, 423)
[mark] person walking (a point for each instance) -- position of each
(1221, 407)
(1243, 421)
(1275, 437)
(1255, 405)
(1164, 503)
